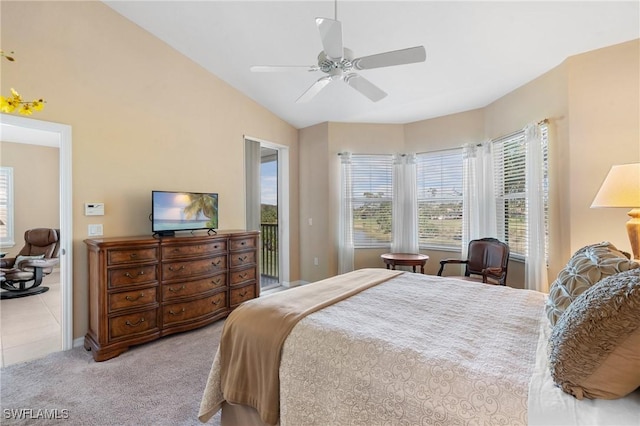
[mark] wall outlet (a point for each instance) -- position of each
(315, 261)
(95, 230)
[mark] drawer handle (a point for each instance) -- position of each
(243, 258)
(243, 276)
(242, 294)
(174, 290)
(132, 299)
(177, 313)
(172, 269)
(128, 275)
(216, 302)
(215, 246)
(216, 263)
(216, 281)
(243, 243)
(133, 255)
(130, 324)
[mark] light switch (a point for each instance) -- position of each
(95, 230)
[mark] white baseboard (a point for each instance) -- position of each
(78, 342)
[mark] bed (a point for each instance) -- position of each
(401, 348)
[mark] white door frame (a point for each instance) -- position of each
(37, 132)
(283, 207)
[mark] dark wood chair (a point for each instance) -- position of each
(487, 259)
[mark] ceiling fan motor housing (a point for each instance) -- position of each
(337, 66)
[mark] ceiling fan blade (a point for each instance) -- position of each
(269, 68)
(314, 89)
(395, 57)
(364, 86)
(331, 36)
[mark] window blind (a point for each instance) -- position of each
(440, 199)
(510, 189)
(6, 205)
(371, 195)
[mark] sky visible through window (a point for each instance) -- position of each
(269, 183)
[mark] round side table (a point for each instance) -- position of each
(405, 259)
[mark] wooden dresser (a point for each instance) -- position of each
(143, 288)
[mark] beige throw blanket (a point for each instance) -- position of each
(253, 335)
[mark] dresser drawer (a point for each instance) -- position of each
(239, 277)
(128, 325)
(179, 312)
(239, 295)
(119, 257)
(135, 275)
(175, 270)
(193, 250)
(241, 259)
(132, 299)
(242, 243)
(190, 288)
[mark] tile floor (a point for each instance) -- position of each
(30, 326)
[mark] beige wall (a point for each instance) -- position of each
(604, 105)
(314, 196)
(591, 102)
(143, 117)
(36, 194)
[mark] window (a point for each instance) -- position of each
(440, 199)
(6, 206)
(511, 202)
(371, 198)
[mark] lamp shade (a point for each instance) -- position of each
(621, 187)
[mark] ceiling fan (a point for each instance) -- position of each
(338, 63)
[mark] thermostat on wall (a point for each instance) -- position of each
(94, 209)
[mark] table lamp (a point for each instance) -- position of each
(621, 188)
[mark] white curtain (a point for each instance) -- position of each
(478, 196)
(535, 266)
(405, 205)
(252, 184)
(345, 225)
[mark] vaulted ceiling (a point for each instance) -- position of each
(476, 52)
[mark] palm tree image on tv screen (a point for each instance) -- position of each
(203, 205)
(183, 211)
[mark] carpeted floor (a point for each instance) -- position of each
(158, 383)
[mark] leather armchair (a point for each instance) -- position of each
(23, 274)
(487, 259)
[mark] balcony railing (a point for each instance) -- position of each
(269, 251)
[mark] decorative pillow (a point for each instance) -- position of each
(594, 349)
(586, 267)
(20, 259)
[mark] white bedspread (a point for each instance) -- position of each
(414, 350)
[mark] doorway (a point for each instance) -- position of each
(267, 204)
(269, 267)
(36, 132)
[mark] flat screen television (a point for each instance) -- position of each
(173, 211)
